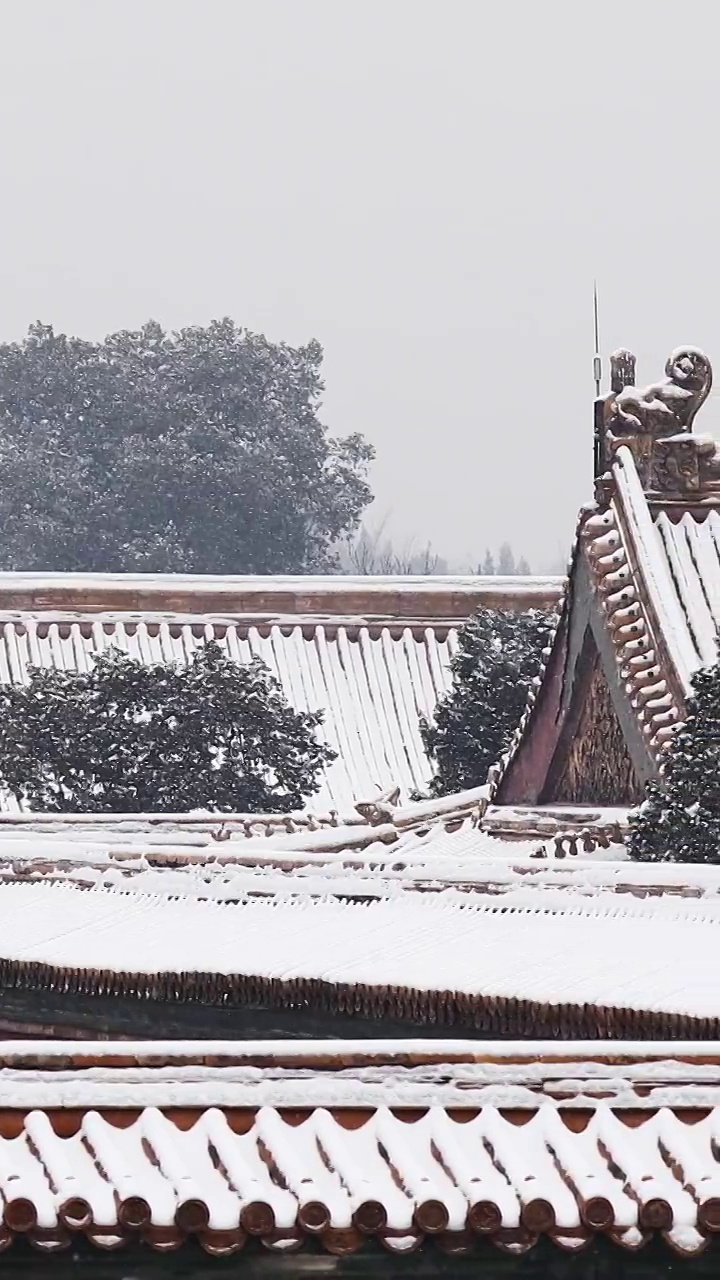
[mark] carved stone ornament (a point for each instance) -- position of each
(655, 423)
(667, 407)
(675, 464)
(622, 370)
(380, 809)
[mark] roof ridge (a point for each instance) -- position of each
(431, 597)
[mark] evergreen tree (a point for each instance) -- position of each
(498, 655)
(506, 560)
(488, 565)
(196, 452)
(523, 568)
(129, 738)
(679, 820)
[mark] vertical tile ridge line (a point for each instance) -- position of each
(706, 568)
(330, 793)
(391, 722)
(648, 561)
(677, 548)
(328, 651)
(347, 647)
(390, 774)
(712, 525)
(424, 702)
(319, 668)
(436, 667)
(401, 688)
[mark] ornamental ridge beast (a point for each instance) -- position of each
(655, 423)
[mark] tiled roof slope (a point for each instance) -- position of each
(373, 654)
(453, 1179)
(475, 1146)
(371, 684)
(691, 546)
(657, 572)
(650, 549)
(522, 954)
(174, 839)
(654, 544)
(466, 857)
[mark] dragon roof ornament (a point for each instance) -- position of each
(655, 423)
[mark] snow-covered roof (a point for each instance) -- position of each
(347, 1142)
(539, 957)
(657, 571)
(259, 597)
(405, 1074)
(166, 839)
(648, 554)
(691, 547)
(372, 653)
(582, 825)
(372, 684)
(382, 1177)
(377, 866)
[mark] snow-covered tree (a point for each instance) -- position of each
(498, 655)
(679, 821)
(128, 738)
(198, 452)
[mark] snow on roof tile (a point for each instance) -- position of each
(546, 947)
(652, 544)
(692, 549)
(372, 684)
(407, 1074)
(372, 653)
(256, 596)
(398, 1181)
(654, 568)
(659, 579)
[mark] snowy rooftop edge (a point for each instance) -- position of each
(397, 1181)
(364, 1050)
(562, 958)
(285, 582)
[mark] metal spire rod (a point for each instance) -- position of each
(597, 362)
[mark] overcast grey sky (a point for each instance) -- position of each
(426, 186)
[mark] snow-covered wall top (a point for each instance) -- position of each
(449, 598)
(361, 1073)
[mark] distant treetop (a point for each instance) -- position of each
(506, 565)
(200, 451)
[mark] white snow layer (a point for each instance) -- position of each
(383, 1073)
(673, 606)
(434, 1168)
(372, 689)
(651, 954)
